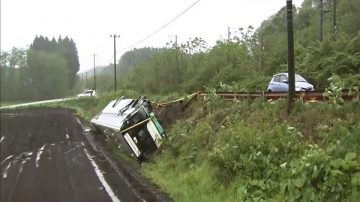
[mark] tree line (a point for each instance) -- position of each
(247, 60)
(243, 62)
(47, 69)
(105, 75)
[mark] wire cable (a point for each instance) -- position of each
(162, 27)
(156, 31)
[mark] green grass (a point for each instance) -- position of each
(4, 104)
(255, 151)
(193, 184)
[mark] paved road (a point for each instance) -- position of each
(45, 157)
(36, 103)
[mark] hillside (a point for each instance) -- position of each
(255, 151)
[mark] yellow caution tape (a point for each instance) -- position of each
(135, 125)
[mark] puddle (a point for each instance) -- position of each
(38, 155)
(26, 156)
(6, 170)
(21, 167)
(67, 133)
(7, 158)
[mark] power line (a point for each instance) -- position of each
(334, 16)
(158, 30)
(162, 27)
(321, 19)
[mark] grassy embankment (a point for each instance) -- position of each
(255, 151)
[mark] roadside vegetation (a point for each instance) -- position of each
(255, 151)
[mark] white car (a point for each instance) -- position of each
(87, 93)
(279, 83)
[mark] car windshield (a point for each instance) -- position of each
(299, 78)
(88, 91)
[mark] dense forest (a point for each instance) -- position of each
(245, 61)
(46, 70)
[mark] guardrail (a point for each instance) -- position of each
(305, 96)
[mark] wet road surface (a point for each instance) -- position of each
(45, 157)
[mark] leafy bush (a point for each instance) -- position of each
(334, 91)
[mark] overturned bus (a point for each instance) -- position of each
(133, 125)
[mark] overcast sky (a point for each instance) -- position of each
(90, 22)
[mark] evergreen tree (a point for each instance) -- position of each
(53, 66)
(69, 51)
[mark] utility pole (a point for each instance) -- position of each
(134, 58)
(115, 36)
(334, 17)
(262, 52)
(94, 74)
(86, 80)
(229, 33)
(177, 60)
(291, 63)
(321, 19)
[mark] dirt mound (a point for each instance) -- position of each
(169, 114)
